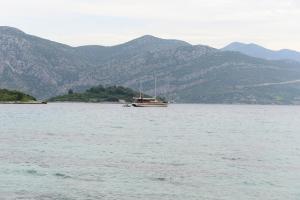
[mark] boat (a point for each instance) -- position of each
(148, 102)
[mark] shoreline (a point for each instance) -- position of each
(19, 102)
(119, 103)
(104, 102)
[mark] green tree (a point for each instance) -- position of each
(19, 97)
(70, 91)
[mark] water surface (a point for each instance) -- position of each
(192, 152)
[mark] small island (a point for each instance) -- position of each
(16, 97)
(116, 94)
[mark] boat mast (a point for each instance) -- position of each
(155, 87)
(140, 89)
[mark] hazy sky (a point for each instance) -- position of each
(272, 23)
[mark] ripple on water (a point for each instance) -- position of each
(160, 179)
(182, 152)
(34, 172)
(61, 175)
(116, 127)
(231, 158)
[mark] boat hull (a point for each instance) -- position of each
(150, 105)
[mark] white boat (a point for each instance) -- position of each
(148, 102)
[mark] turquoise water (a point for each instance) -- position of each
(102, 151)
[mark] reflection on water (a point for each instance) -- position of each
(94, 151)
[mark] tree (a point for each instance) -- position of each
(70, 91)
(19, 96)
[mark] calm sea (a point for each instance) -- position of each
(183, 152)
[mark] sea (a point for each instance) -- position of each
(81, 151)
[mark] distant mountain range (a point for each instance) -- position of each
(185, 73)
(261, 52)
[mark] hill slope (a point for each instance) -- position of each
(185, 73)
(261, 52)
(99, 94)
(12, 96)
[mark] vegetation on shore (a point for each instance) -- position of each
(14, 96)
(98, 94)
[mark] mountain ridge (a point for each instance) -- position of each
(185, 72)
(258, 51)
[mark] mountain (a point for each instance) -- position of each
(185, 72)
(147, 43)
(261, 52)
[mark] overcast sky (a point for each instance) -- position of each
(272, 23)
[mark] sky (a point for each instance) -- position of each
(271, 23)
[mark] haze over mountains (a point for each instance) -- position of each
(185, 72)
(261, 52)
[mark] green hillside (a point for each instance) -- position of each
(98, 94)
(14, 96)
